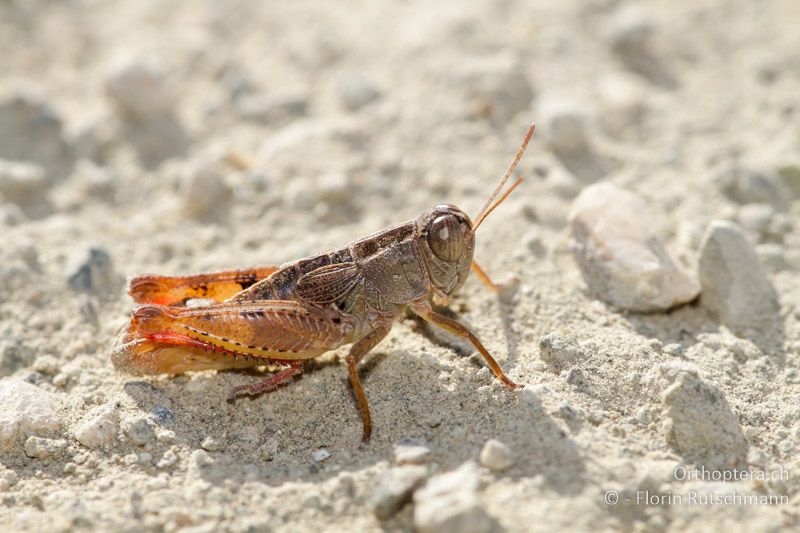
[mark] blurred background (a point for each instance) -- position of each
(173, 137)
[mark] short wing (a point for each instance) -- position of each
(329, 283)
(173, 340)
(175, 290)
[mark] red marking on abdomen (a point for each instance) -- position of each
(170, 337)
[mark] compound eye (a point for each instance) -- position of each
(446, 237)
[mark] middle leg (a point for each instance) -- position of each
(357, 352)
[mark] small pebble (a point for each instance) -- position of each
(756, 217)
(772, 256)
(47, 365)
(496, 456)
(320, 455)
(39, 448)
(139, 431)
(751, 186)
(203, 190)
(137, 86)
(276, 110)
(200, 459)
(91, 270)
(497, 86)
(211, 444)
(535, 245)
(393, 489)
(700, 424)
(411, 452)
(735, 286)
(334, 188)
(623, 101)
(167, 460)
(356, 91)
(33, 132)
(11, 214)
(22, 183)
(448, 503)
(674, 349)
(25, 409)
(560, 349)
(269, 449)
(164, 415)
(99, 427)
(575, 377)
(565, 125)
(629, 30)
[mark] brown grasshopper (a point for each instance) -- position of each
(284, 315)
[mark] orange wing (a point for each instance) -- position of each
(173, 290)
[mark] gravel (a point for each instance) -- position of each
(251, 95)
(448, 503)
(393, 489)
(622, 260)
(735, 286)
(25, 410)
(411, 452)
(99, 427)
(496, 456)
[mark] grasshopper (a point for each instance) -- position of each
(283, 315)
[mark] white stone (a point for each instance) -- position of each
(334, 187)
(21, 183)
(497, 86)
(211, 444)
(168, 459)
(394, 487)
(139, 431)
(630, 29)
(25, 409)
(41, 448)
(99, 427)
(735, 287)
(623, 100)
(91, 269)
(496, 456)
(560, 349)
(411, 452)
(756, 217)
(622, 261)
(698, 421)
(320, 455)
(356, 91)
(449, 503)
(203, 189)
(136, 85)
(564, 124)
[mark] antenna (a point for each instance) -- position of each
(488, 207)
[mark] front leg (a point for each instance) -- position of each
(423, 309)
(495, 287)
(357, 352)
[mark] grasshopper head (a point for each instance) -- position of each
(447, 245)
(448, 234)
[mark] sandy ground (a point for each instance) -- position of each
(176, 137)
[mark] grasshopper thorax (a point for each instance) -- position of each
(447, 243)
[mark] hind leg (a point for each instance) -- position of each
(268, 384)
(173, 340)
